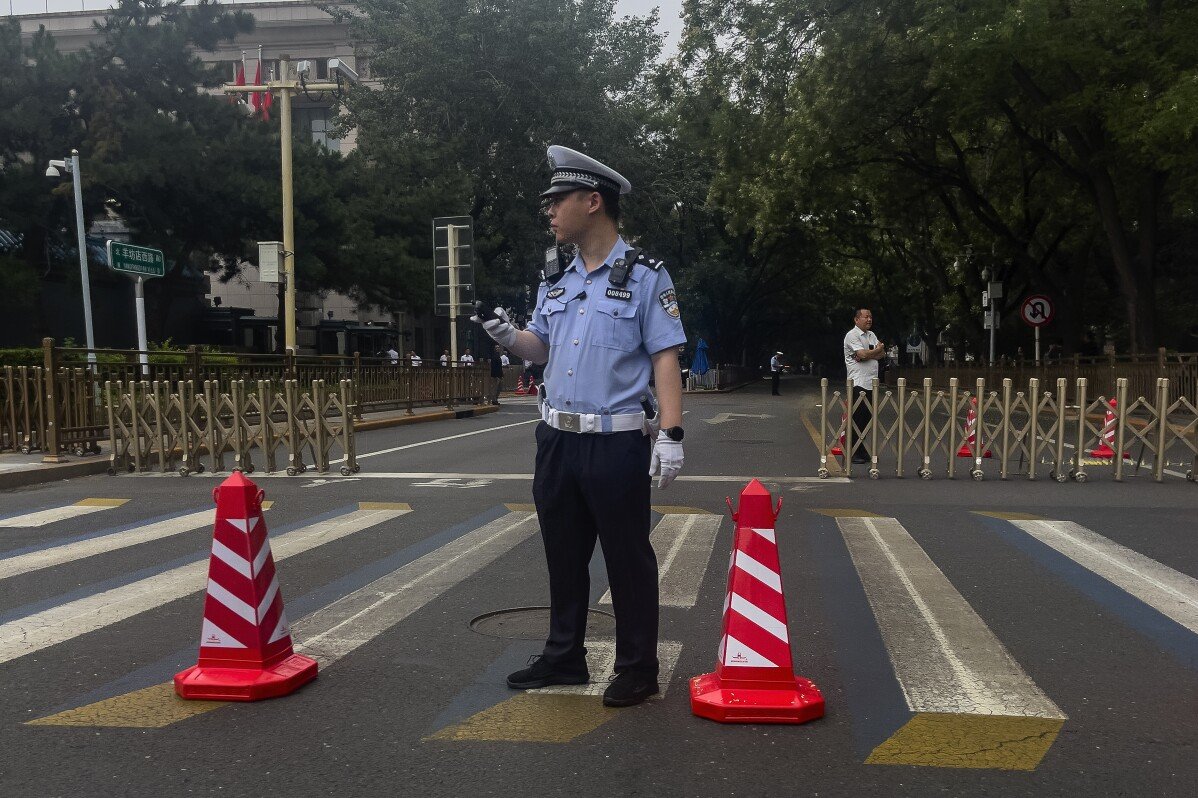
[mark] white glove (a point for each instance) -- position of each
(667, 459)
(500, 329)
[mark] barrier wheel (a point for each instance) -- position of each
(1062, 478)
(823, 473)
(346, 471)
(291, 472)
(184, 471)
(357, 468)
(249, 468)
(874, 473)
(200, 468)
(111, 471)
(925, 473)
(1080, 476)
(77, 451)
(1190, 476)
(977, 475)
(132, 467)
(26, 450)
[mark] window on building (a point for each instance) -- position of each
(363, 67)
(317, 122)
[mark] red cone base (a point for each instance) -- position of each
(744, 701)
(965, 452)
(245, 684)
(1104, 452)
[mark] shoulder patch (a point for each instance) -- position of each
(555, 293)
(651, 263)
(669, 302)
(619, 293)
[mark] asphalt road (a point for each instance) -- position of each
(970, 638)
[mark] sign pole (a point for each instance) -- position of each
(84, 275)
(451, 239)
(143, 344)
(1037, 328)
(289, 331)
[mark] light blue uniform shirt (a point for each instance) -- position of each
(600, 345)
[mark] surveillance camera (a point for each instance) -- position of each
(340, 68)
(303, 69)
(52, 171)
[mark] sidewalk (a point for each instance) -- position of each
(21, 470)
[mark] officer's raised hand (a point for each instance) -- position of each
(667, 458)
(499, 327)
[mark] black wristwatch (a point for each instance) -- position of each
(674, 433)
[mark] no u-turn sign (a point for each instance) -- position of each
(1036, 310)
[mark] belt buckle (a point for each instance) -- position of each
(569, 421)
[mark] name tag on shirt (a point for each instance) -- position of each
(619, 293)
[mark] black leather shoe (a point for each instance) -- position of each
(861, 460)
(629, 688)
(542, 673)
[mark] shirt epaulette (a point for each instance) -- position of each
(652, 263)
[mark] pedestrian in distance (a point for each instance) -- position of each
(606, 318)
(504, 360)
(467, 359)
(776, 371)
(496, 372)
(445, 359)
(392, 355)
(414, 359)
(862, 351)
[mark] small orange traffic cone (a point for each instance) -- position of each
(1105, 450)
(837, 449)
(754, 680)
(532, 385)
(520, 385)
(245, 643)
(971, 431)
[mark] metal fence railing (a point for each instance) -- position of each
(1140, 371)
(928, 430)
(721, 378)
(193, 427)
(59, 406)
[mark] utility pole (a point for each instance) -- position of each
(284, 86)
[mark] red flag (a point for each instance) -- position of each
(256, 97)
(267, 101)
(239, 80)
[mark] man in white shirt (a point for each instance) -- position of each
(415, 358)
(445, 358)
(776, 371)
(862, 351)
(467, 359)
(393, 355)
(504, 360)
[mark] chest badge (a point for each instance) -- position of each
(669, 302)
(619, 293)
(555, 293)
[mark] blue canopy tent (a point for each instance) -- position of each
(700, 365)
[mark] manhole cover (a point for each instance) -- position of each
(532, 623)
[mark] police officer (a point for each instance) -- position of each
(604, 324)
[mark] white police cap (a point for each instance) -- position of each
(572, 170)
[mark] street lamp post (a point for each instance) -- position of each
(71, 166)
(284, 86)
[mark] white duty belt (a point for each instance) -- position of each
(592, 422)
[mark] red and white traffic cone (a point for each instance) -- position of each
(1105, 450)
(754, 680)
(837, 449)
(245, 643)
(532, 385)
(971, 431)
(520, 385)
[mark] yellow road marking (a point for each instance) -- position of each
(100, 502)
(532, 718)
(969, 741)
(831, 464)
(385, 506)
(669, 509)
(521, 508)
(150, 708)
(1009, 516)
(833, 512)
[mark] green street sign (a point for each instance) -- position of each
(139, 261)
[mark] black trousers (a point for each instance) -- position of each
(861, 417)
(776, 377)
(589, 487)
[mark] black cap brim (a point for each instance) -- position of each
(565, 188)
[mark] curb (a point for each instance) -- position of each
(99, 464)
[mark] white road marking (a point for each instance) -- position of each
(721, 418)
(601, 660)
(355, 619)
(50, 516)
(945, 657)
(66, 621)
(738, 478)
(452, 483)
(1169, 592)
(37, 560)
(439, 440)
(683, 543)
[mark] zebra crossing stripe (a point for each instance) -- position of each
(50, 516)
(1169, 592)
(120, 539)
(683, 542)
(974, 705)
(66, 621)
